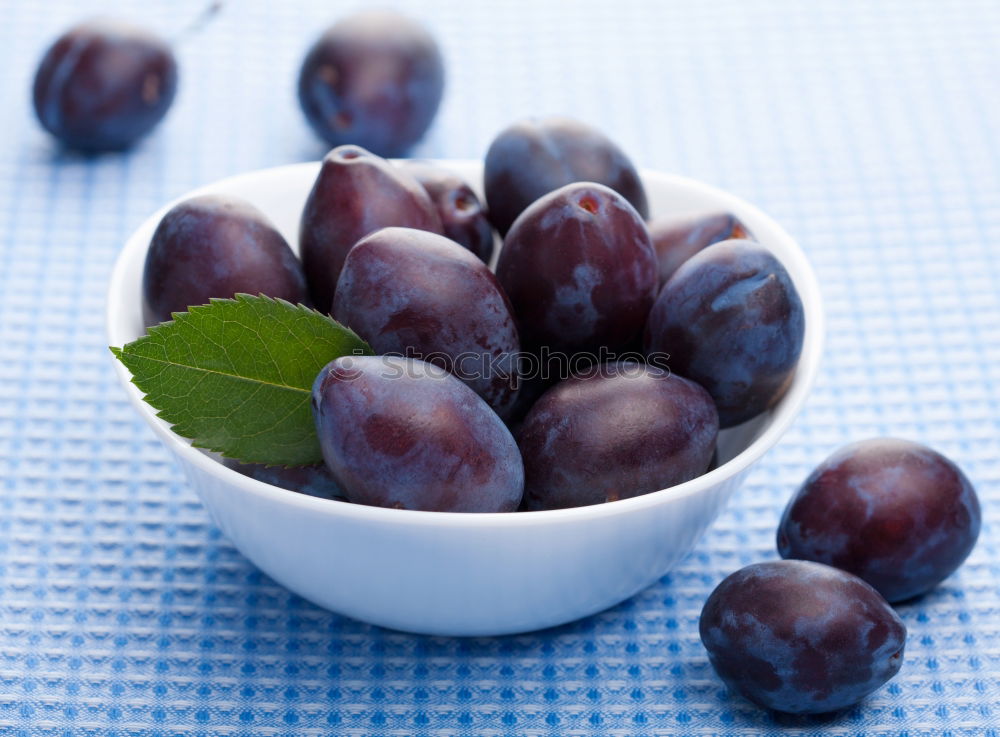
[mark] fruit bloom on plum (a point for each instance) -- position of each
(676, 239)
(355, 193)
(896, 513)
(731, 319)
(374, 79)
(579, 270)
(801, 637)
(414, 293)
(215, 246)
(532, 157)
(618, 431)
(402, 433)
(103, 85)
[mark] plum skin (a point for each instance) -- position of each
(534, 157)
(401, 433)
(801, 637)
(314, 480)
(355, 193)
(411, 292)
(214, 246)
(731, 319)
(375, 79)
(676, 239)
(579, 270)
(621, 430)
(103, 85)
(895, 513)
(463, 218)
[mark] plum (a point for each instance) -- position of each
(579, 270)
(676, 239)
(103, 85)
(731, 320)
(534, 157)
(314, 480)
(398, 432)
(463, 217)
(529, 391)
(618, 431)
(416, 293)
(896, 513)
(216, 246)
(374, 79)
(801, 637)
(355, 193)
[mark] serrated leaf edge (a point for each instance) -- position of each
(120, 353)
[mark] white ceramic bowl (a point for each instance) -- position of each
(467, 574)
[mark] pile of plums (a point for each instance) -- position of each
(446, 418)
(467, 358)
(879, 521)
(375, 78)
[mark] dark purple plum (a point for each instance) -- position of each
(103, 85)
(356, 193)
(676, 239)
(534, 157)
(801, 637)
(315, 480)
(898, 514)
(414, 293)
(731, 320)
(399, 432)
(529, 391)
(462, 215)
(214, 246)
(621, 430)
(374, 79)
(579, 270)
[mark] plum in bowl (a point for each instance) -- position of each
(468, 574)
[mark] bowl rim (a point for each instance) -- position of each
(794, 259)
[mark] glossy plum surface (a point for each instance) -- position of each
(420, 294)
(103, 85)
(731, 320)
(401, 433)
(374, 79)
(215, 246)
(313, 480)
(801, 637)
(356, 193)
(579, 270)
(463, 217)
(676, 239)
(898, 514)
(622, 430)
(534, 157)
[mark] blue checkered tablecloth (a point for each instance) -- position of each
(871, 129)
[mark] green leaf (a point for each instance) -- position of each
(235, 376)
